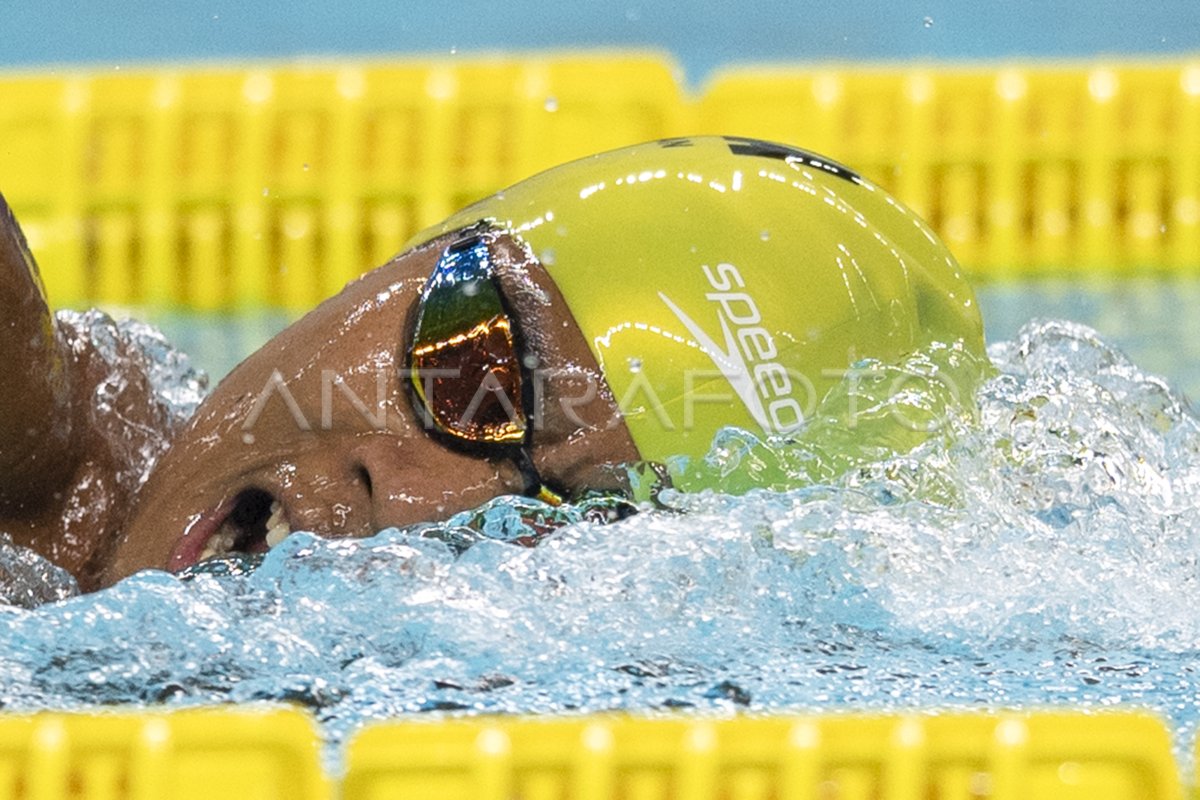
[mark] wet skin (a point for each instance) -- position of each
(284, 427)
(67, 468)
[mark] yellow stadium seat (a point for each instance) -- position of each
(1046, 756)
(246, 753)
(274, 184)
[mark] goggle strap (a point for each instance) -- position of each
(534, 487)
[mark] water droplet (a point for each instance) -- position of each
(471, 288)
(635, 365)
(765, 236)
(216, 16)
(248, 438)
(266, 192)
(547, 257)
(453, 51)
(551, 104)
(927, 22)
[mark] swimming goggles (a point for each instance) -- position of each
(471, 387)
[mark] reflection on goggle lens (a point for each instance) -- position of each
(463, 361)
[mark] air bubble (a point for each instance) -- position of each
(927, 22)
(551, 104)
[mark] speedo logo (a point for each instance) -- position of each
(746, 352)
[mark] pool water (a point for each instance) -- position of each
(1042, 550)
(1152, 320)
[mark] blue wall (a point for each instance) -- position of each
(700, 34)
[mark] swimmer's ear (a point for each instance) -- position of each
(35, 401)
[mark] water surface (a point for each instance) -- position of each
(1041, 549)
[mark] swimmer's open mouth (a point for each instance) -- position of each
(254, 521)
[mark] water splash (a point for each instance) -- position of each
(131, 350)
(125, 351)
(127, 344)
(27, 580)
(1035, 547)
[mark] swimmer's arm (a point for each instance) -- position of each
(35, 404)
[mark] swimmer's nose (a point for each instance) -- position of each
(369, 466)
(399, 486)
(404, 481)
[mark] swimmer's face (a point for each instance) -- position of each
(316, 431)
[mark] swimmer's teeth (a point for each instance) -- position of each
(226, 538)
(220, 543)
(277, 527)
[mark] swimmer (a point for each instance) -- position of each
(616, 309)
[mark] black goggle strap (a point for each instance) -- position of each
(466, 374)
(534, 487)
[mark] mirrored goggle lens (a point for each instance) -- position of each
(464, 367)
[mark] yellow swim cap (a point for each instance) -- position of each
(729, 281)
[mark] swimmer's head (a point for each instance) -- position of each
(618, 308)
(729, 281)
(321, 421)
